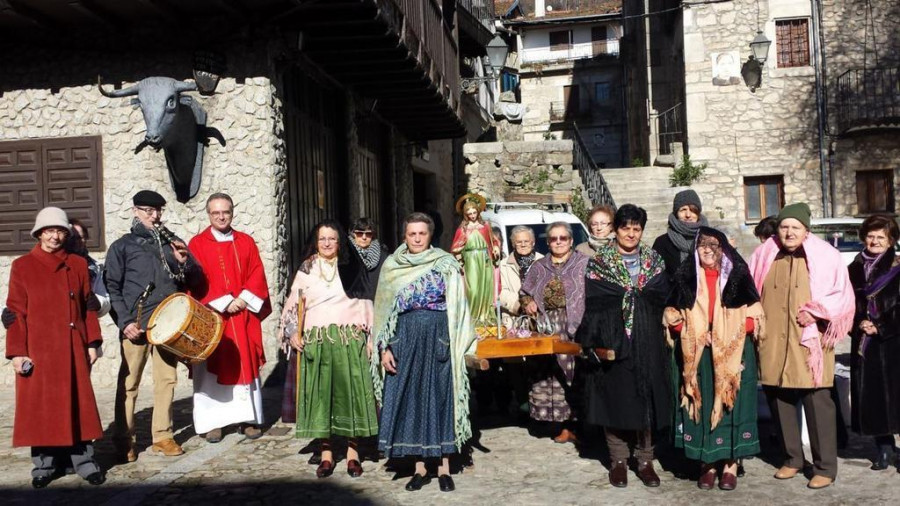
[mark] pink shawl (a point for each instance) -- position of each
(832, 295)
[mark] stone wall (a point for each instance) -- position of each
(497, 168)
(774, 131)
(54, 94)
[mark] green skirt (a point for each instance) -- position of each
(335, 395)
(737, 434)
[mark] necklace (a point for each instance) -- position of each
(322, 273)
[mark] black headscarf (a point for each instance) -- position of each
(739, 289)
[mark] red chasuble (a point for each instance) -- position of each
(229, 268)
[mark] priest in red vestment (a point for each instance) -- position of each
(227, 388)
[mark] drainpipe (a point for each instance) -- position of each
(819, 58)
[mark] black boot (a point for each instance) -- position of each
(884, 458)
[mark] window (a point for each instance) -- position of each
(601, 92)
(560, 40)
(62, 172)
(598, 39)
(875, 191)
(763, 196)
(792, 42)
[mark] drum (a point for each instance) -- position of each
(182, 325)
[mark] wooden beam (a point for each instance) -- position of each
(94, 11)
(34, 16)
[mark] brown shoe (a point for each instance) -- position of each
(566, 436)
(728, 481)
(213, 436)
(786, 473)
(647, 475)
(707, 478)
(251, 431)
(618, 475)
(819, 481)
(167, 447)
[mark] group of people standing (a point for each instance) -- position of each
(677, 335)
(56, 295)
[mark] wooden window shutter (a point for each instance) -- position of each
(62, 172)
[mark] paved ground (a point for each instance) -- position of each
(519, 469)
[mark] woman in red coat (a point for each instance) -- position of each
(53, 341)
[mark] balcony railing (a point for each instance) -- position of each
(669, 128)
(596, 49)
(869, 98)
(563, 111)
(481, 10)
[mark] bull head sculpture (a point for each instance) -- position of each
(176, 124)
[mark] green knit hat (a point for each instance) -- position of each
(799, 211)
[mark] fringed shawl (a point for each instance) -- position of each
(735, 300)
(832, 297)
(401, 270)
(572, 276)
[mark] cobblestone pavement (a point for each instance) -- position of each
(519, 469)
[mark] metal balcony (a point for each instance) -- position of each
(868, 99)
(476, 24)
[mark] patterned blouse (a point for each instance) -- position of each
(425, 293)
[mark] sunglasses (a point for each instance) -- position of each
(363, 233)
(558, 238)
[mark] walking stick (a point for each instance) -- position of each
(301, 316)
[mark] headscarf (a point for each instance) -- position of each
(398, 272)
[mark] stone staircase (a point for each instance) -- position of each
(646, 187)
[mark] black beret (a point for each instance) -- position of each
(148, 198)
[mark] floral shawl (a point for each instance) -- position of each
(608, 266)
(401, 270)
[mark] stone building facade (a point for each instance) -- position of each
(763, 148)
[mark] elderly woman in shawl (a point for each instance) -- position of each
(475, 246)
(600, 224)
(328, 377)
(422, 332)
(809, 304)
(553, 293)
(625, 293)
(677, 243)
(713, 309)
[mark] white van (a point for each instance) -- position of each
(507, 215)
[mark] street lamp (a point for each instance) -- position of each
(497, 51)
(751, 71)
(760, 47)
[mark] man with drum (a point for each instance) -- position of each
(143, 267)
(227, 388)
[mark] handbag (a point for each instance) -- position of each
(520, 327)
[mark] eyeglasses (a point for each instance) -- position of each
(55, 231)
(149, 210)
(714, 246)
(363, 233)
(600, 223)
(558, 238)
(220, 213)
(526, 242)
(328, 239)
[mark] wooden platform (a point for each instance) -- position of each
(525, 347)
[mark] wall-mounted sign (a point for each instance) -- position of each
(726, 68)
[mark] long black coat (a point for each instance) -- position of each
(633, 391)
(875, 377)
(670, 254)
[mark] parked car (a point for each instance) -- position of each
(507, 215)
(842, 233)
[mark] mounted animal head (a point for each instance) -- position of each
(159, 98)
(176, 124)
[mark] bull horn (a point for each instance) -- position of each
(183, 86)
(133, 90)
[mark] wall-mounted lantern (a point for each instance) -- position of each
(751, 71)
